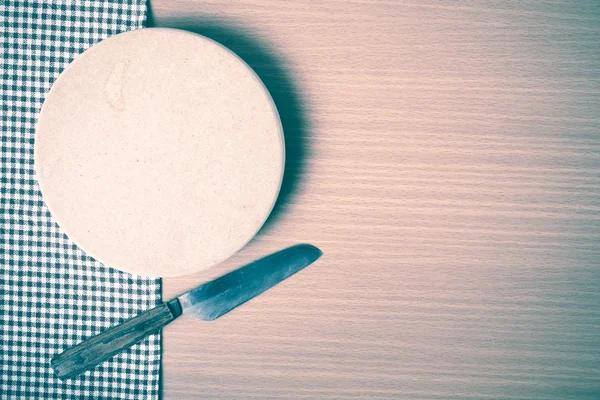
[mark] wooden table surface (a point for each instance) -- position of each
(446, 158)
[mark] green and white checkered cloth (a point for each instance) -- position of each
(52, 295)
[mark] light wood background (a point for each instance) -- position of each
(446, 158)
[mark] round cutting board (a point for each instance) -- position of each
(159, 152)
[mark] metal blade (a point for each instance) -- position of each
(213, 299)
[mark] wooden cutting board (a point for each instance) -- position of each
(159, 152)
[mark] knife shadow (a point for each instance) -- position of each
(275, 74)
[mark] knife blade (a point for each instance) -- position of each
(207, 302)
(215, 298)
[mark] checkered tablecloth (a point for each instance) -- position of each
(51, 294)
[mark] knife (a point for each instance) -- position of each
(207, 302)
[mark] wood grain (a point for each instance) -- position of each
(447, 161)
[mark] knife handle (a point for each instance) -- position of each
(99, 348)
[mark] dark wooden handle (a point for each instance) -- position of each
(92, 352)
